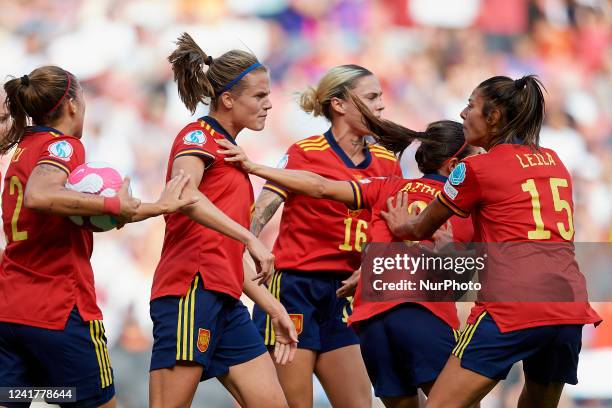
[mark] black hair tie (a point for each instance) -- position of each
(25, 80)
(519, 84)
(209, 60)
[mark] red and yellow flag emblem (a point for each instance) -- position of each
(298, 322)
(203, 340)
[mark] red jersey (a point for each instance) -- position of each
(373, 194)
(515, 194)
(323, 235)
(189, 247)
(45, 269)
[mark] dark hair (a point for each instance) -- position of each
(390, 135)
(336, 83)
(521, 105)
(195, 85)
(40, 95)
(445, 139)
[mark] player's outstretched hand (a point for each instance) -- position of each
(286, 338)
(128, 205)
(349, 285)
(172, 198)
(397, 215)
(264, 260)
(235, 154)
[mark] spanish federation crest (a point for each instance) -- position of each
(203, 340)
(298, 322)
(458, 174)
(195, 137)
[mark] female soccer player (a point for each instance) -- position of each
(516, 192)
(201, 329)
(398, 358)
(51, 331)
(319, 242)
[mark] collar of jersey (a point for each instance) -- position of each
(435, 176)
(38, 128)
(347, 161)
(218, 128)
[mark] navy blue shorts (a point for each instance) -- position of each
(210, 328)
(404, 348)
(74, 357)
(549, 353)
(319, 315)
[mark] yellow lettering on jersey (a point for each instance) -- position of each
(17, 155)
(420, 188)
(535, 159)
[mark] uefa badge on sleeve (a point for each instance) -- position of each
(61, 150)
(195, 137)
(457, 175)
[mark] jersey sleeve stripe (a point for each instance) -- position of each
(313, 144)
(308, 149)
(357, 196)
(447, 203)
(385, 156)
(313, 140)
(60, 166)
(275, 189)
(194, 152)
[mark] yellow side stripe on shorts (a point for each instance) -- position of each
(185, 323)
(96, 331)
(456, 334)
(97, 348)
(108, 363)
(191, 316)
(178, 329)
(102, 355)
(278, 286)
(271, 290)
(274, 289)
(466, 337)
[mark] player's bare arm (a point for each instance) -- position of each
(46, 191)
(206, 213)
(297, 181)
(170, 200)
(265, 207)
(284, 329)
(405, 226)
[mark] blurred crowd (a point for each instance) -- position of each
(429, 55)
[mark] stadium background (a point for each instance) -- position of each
(429, 55)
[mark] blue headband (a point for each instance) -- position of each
(239, 77)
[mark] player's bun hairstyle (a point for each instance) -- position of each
(391, 135)
(445, 140)
(196, 85)
(335, 84)
(521, 106)
(39, 95)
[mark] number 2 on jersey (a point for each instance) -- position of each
(560, 205)
(15, 186)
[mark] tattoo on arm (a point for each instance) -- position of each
(265, 208)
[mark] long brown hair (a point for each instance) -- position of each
(389, 134)
(521, 106)
(196, 85)
(39, 95)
